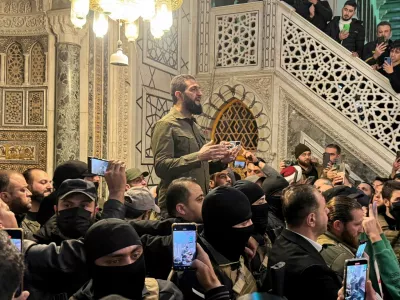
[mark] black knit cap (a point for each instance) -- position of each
(225, 207)
(252, 190)
(300, 149)
(72, 169)
(274, 184)
(107, 236)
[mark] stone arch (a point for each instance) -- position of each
(235, 122)
(221, 96)
(38, 64)
(15, 64)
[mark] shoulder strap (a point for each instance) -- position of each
(152, 288)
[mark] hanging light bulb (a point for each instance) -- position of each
(78, 23)
(80, 8)
(131, 31)
(164, 16)
(100, 24)
(119, 58)
(148, 9)
(156, 28)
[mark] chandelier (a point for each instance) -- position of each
(127, 12)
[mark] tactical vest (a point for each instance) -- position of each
(242, 279)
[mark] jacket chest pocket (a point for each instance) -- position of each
(185, 144)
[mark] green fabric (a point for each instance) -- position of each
(387, 263)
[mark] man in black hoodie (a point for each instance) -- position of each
(392, 70)
(348, 32)
(317, 12)
(375, 52)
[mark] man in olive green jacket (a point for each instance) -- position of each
(179, 147)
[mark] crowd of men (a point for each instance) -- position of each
(282, 233)
(382, 54)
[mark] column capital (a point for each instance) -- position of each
(59, 23)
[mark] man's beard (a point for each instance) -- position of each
(350, 240)
(305, 164)
(37, 197)
(191, 106)
(346, 19)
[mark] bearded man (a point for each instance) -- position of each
(179, 147)
(341, 241)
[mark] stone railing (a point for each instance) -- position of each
(347, 84)
(268, 36)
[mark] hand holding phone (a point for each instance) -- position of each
(355, 278)
(326, 159)
(16, 236)
(97, 166)
(184, 240)
(388, 60)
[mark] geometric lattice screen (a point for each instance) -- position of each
(235, 122)
(340, 84)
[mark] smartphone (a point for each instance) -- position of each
(184, 238)
(361, 249)
(381, 40)
(97, 166)
(239, 164)
(326, 158)
(346, 27)
(388, 60)
(16, 236)
(235, 143)
(355, 277)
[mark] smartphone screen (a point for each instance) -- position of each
(346, 27)
(355, 278)
(97, 166)
(239, 164)
(184, 245)
(361, 249)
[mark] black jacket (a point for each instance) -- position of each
(167, 291)
(297, 271)
(323, 12)
(394, 78)
(49, 233)
(356, 39)
(369, 50)
(54, 272)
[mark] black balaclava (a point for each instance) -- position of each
(259, 212)
(223, 208)
(106, 237)
(270, 186)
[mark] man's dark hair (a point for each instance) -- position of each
(334, 146)
(351, 3)
(381, 179)
(178, 84)
(28, 174)
(11, 267)
(340, 208)
(396, 44)
(298, 202)
(389, 187)
(384, 23)
(178, 192)
(5, 180)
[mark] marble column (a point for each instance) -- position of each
(67, 113)
(67, 86)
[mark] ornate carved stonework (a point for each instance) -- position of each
(20, 150)
(286, 100)
(13, 108)
(34, 24)
(204, 28)
(234, 89)
(65, 31)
